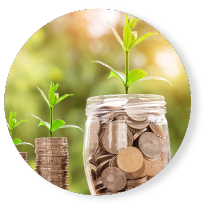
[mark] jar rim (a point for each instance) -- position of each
(151, 97)
(148, 103)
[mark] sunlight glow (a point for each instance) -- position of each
(169, 62)
(98, 21)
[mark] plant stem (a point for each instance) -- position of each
(51, 120)
(126, 70)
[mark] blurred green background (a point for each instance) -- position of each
(61, 52)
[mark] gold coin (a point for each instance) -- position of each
(135, 183)
(130, 159)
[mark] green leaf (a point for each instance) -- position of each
(113, 74)
(46, 124)
(119, 74)
(133, 22)
(134, 75)
(71, 126)
(25, 143)
(57, 124)
(127, 37)
(18, 123)
(130, 23)
(155, 78)
(117, 36)
(16, 141)
(52, 96)
(44, 96)
(12, 120)
(63, 97)
(141, 38)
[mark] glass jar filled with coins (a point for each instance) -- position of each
(126, 141)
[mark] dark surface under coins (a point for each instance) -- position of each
(52, 160)
(117, 130)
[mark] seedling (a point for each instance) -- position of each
(12, 124)
(129, 41)
(52, 100)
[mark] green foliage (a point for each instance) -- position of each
(52, 100)
(12, 124)
(130, 40)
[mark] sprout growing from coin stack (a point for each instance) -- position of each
(11, 125)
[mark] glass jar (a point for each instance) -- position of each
(126, 141)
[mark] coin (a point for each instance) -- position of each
(49, 168)
(97, 182)
(113, 179)
(132, 101)
(157, 129)
(101, 167)
(115, 136)
(165, 152)
(130, 137)
(51, 139)
(138, 125)
(51, 162)
(138, 133)
(59, 179)
(130, 159)
(113, 162)
(134, 114)
(150, 146)
(53, 147)
(100, 190)
(137, 174)
(153, 167)
(136, 183)
(93, 144)
(93, 138)
(103, 158)
(23, 154)
(51, 155)
(114, 102)
(53, 159)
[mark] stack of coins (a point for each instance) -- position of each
(126, 148)
(24, 156)
(52, 160)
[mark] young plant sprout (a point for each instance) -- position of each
(11, 125)
(129, 41)
(52, 100)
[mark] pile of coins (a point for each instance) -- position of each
(24, 156)
(126, 147)
(52, 160)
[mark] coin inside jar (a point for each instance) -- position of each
(115, 136)
(113, 179)
(130, 159)
(138, 125)
(150, 146)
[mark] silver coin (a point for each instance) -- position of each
(138, 125)
(115, 137)
(150, 146)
